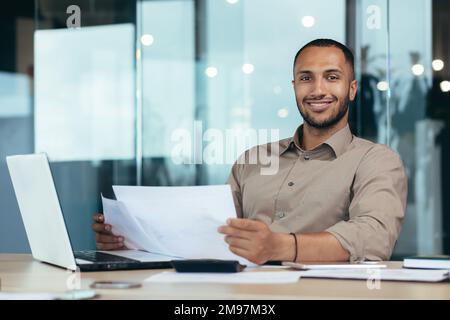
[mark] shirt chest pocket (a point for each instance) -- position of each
(328, 201)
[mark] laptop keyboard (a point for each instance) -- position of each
(101, 257)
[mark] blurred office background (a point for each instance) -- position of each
(104, 100)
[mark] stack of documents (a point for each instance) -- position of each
(380, 274)
(330, 266)
(367, 271)
(174, 221)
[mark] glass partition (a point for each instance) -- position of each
(217, 80)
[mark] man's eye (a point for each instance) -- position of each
(332, 77)
(305, 78)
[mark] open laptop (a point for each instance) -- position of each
(46, 229)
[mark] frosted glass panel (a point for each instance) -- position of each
(84, 107)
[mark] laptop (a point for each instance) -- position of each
(46, 229)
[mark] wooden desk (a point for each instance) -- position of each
(19, 273)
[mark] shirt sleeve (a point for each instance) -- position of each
(377, 207)
(234, 180)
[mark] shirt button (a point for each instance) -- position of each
(290, 184)
(280, 215)
(306, 157)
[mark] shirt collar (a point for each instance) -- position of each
(338, 141)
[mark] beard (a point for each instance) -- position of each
(330, 121)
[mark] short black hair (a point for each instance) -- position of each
(349, 57)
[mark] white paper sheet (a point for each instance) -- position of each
(124, 224)
(381, 274)
(330, 266)
(175, 221)
(26, 296)
(68, 295)
(258, 277)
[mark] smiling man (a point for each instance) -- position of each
(335, 197)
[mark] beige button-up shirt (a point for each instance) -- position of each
(350, 187)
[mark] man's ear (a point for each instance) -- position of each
(292, 82)
(353, 89)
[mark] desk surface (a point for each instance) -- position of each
(19, 273)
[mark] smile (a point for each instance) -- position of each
(319, 105)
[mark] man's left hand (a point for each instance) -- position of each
(251, 239)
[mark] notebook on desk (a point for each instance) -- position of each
(427, 262)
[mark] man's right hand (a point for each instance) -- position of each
(104, 238)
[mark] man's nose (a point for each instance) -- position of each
(319, 88)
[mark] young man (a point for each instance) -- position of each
(335, 197)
